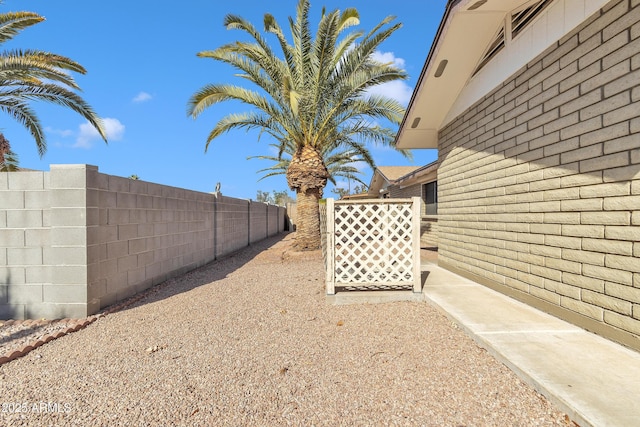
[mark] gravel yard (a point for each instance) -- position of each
(250, 340)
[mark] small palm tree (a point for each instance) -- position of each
(34, 75)
(314, 96)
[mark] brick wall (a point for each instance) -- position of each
(428, 224)
(74, 240)
(539, 182)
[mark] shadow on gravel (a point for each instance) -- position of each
(214, 271)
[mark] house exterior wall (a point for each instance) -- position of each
(73, 240)
(428, 224)
(539, 182)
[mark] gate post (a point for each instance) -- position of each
(417, 277)
(331, 247)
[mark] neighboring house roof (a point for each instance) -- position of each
(391, 173)
(447, 85)
(421, 175)
(402, 176)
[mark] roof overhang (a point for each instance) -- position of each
(466, 30)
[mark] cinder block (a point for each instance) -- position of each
(67, 217)
(24, 256)
(118, 184)
(26, 180)
(69, 198)
(117, 249)
(69, 274)
(65, 255)
(12, 275)
(24, 218)
(127, 263)
(118, 216)
(37, 200)
(37, 237)
(25, 294)
(69, 176)
(68, 236)
(107, 199)
(127, 231)
(50, 310)
(12, 237)
(126, 200)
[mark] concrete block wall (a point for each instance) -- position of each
(428, 224)
(539, 182)
(25, 238)
(74, 240)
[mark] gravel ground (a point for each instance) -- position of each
(250, 340)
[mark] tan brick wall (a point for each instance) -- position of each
(539, 182)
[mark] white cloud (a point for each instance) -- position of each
(388, 57)
(398, 89)
(87, 133)
(142, 97)
(60, 132)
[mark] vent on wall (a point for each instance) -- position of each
(521, 19)
(518, 20)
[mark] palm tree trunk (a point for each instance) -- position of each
(307, 176)
(308, 220)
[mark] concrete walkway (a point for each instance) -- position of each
(593, 380)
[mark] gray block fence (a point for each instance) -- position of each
(74, 240)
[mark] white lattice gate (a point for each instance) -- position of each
(373, 244)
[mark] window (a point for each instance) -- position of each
(430, 197)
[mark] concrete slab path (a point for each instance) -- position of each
(595, 381)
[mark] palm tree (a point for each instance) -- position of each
(8, 159)
(339, 164)
(34, 75)
(314, 97)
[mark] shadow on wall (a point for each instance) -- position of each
(207, 274)
(7, 311)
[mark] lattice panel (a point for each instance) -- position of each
(373, 243)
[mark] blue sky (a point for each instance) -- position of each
(142, 68)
